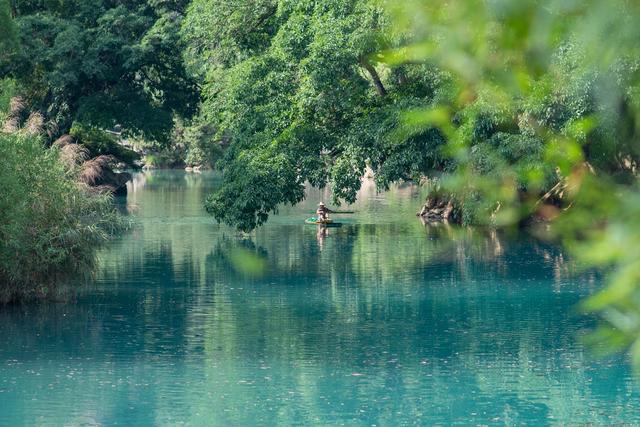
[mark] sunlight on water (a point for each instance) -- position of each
(380, 322)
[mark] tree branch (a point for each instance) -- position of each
(374, 76)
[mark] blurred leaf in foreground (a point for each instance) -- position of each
(545, 125)
(247, 262)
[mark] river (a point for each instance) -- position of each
(383, 321)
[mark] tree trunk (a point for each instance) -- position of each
(375, 77)
(438, 209)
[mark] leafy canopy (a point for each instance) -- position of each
(298, 89)
(102, 63)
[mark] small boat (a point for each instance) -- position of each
(326, 222)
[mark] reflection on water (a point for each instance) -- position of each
(381, 321)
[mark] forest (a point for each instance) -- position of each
(515, 114)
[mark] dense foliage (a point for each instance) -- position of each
(101, 63)
(50, 223)
(318, 91)
(8, 37)
(298, 90)
(99, 142)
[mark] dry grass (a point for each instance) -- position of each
(16, 106)
(72, 155)
(101, 190)
(63, 140)
(51, 128)
(11, 125)
(97, 171)
(35, 124)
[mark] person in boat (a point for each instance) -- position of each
(322, 212)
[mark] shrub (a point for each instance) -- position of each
(100, 143)
(49, 223)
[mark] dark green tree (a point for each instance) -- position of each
(102, 63)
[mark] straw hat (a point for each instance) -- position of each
(320, 204)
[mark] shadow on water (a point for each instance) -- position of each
(381, 321)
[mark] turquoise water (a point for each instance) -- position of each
(380, 322)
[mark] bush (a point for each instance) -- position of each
(50, 224)
(162, 159)
(99, 143)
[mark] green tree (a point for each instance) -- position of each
(318, 91)
(103, 63)
(299, 91)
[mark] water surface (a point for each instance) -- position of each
(381, 322)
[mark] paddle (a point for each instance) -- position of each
(341, 212)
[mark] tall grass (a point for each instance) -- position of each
(50, 224)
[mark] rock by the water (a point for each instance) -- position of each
(437, 209)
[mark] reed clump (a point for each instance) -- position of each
(51, 220)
